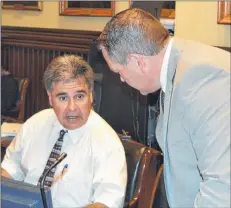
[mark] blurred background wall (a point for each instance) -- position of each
(194, 20)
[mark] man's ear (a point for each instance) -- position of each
(91, 98)
(49, 96)
(138, 61)
(106, 56)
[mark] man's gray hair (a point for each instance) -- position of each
(132, 31)
(67, 68)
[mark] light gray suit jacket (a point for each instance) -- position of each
(194, 131)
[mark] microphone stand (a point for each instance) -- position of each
(58, 160)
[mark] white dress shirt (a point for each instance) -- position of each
(96, 172)
(164, 68)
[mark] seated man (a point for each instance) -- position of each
(94, 173)
(9, 91)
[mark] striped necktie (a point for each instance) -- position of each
(162, 94)
(55, 153)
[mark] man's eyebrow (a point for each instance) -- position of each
(82, 91)
(60, 94)
(64, 93)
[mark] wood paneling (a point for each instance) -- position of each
(26, 52)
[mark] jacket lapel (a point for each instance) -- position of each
(173, 60)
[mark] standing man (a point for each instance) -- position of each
(94, 173)
(194, 124)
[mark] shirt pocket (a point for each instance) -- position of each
(73, 185)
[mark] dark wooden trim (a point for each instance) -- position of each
(42, 38)
(22, 5)
(50, 30)
(97, 12)
(224, 12)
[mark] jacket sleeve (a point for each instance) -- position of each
(12, 160)
(210, 136)
(110, 178)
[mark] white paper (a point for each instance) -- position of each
(10, 129)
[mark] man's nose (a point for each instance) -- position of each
(72, 105)
(122, 79)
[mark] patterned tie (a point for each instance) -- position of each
(55, 153)
(162, 94)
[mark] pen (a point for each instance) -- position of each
(64, 169)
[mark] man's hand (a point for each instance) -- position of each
(5, 174)
(96, 205)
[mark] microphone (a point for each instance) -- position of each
(58, 160)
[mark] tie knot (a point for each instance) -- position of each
(62, 133)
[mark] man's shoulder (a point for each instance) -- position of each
(101, 129)
(103, 136)
(198, 53)
(42, 117)
(98, 123)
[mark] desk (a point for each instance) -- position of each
(9, 131)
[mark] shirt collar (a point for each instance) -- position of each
(164, 68)
(75, 134)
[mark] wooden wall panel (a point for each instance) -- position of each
(26, 52)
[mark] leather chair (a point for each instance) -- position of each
(17, 114)
(144, 173)
(160, 199)
(98, 79)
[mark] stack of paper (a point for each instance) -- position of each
(10, 129)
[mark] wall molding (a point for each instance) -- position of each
(45, 38)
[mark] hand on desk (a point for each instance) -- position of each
(96, 205)
(4, 173)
